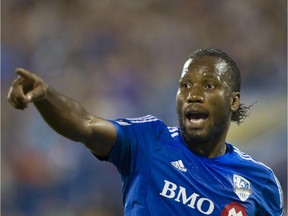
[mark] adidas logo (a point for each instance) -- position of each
(179, 165)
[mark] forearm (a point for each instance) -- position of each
(65, 115)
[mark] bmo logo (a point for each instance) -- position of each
(234, 209)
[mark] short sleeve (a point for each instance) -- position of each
(136, 138)
(272, 197)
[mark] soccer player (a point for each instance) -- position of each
(185, 170)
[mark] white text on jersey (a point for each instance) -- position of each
(178, 194)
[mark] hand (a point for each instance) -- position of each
(26, 88)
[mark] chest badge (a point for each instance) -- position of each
(242, 187)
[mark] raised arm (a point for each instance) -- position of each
(65, 115)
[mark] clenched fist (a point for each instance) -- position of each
(26, 88)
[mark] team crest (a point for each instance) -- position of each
(242, 187)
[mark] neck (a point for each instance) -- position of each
(210, 149)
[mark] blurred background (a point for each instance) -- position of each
(124, 59)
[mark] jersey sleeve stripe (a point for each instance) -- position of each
(144, 119)
(247, 157)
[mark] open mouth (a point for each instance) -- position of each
(196, 118)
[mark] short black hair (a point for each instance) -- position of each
(242, 112)
(234, 71)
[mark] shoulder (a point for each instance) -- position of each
(140, 126)
(144, 120)
(248, 160)
(254, 167)
(261, 174)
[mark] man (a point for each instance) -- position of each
(185, 170)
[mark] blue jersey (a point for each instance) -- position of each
(161, 176)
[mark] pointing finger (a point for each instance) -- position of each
(25, 73)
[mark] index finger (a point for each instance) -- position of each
(25, 73)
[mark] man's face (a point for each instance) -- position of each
(205, 100)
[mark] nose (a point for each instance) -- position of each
(195, 96)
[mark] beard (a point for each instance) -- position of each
(206, 135)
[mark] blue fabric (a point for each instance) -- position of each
(161, 176)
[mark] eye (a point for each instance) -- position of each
(185, 85)
(210, 86)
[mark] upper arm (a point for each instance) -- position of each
(101, 137)
(272, 197)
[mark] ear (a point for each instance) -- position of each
(235, 101)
